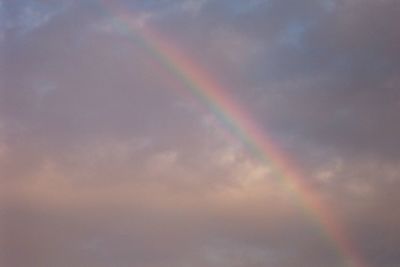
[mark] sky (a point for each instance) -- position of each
(115, 149)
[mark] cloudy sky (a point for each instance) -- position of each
(107, 158)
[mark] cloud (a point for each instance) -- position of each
(107, 159)
(133, 204)
(236, 49)
(23, 17)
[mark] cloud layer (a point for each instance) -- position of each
(106, 159)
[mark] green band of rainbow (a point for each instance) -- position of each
(240, 124)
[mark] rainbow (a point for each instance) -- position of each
(212, 95)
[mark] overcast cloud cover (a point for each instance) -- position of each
(107, 160)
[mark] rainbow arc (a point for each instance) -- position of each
(230, 113)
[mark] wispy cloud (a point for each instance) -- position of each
(26, 16)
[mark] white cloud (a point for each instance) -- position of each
(329, 172)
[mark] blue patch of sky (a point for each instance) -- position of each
(167, 6)
(292, 34)
(159, 8)
(329, 5)
(240, 6)
(25, 16)
(2, 15)
(2, 21)
(149, 5)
